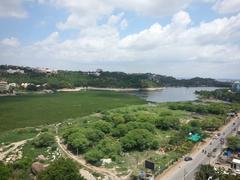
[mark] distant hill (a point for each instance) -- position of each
(69, 79)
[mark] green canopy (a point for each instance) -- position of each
(195, 137)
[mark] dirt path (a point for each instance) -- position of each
(83, 163)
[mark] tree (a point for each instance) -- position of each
(205, 172)
(110, 147)
(61, 169)
(44, 140)
(233, 142)
(93, 135)
(94, 156)
(78, 142)
(102, 126)
(5, 171)
(138, 139)
(168, 122)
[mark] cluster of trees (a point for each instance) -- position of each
(233, 142)
(44, 140)
(208, 171)
(61, 169)
(213, 108)
(221, 94)
(58, 169)
(118, 131)
(69, 79)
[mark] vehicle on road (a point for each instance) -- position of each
(187, 158)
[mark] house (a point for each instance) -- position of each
(236, 165)
(13, 71)
(4, 87)
(236, 86)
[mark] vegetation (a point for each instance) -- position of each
(207, 171)
(70, 79)
(61, 169)
(17, 135)
(5, 171)
(34, 110)
(221, 94)
(233, 142)
(44, 140)
(116, 133)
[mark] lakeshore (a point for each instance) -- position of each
(108, 89)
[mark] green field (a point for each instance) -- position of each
(33, 110)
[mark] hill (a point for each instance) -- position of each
(69, 79)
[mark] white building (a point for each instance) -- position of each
(4, 87)
(236, 165)
(236, 86)
(13, 71)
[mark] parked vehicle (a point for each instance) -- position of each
(187, 158)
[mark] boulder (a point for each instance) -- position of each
(37, 167)
(41, 158)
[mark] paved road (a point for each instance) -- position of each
(185, 170)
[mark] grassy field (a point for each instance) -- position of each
(33, 110)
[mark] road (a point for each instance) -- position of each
(186, 170)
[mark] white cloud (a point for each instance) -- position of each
(12, 8)
(227, 6)
(156, 8)
(12, 42)
(178, 45)
(84, 14)
(115, 19)
(124, 24)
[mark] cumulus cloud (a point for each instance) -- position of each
(84, 14)
(12, 8)
(12, 42)
(160, 48)
(227, 6)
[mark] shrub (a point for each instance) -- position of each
(44, 140)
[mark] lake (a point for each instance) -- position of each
(171, 94)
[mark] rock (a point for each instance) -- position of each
(41, 158)
(87, 175)
(37, 167)
(106, 161)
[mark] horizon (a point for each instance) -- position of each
(93, 70)
(172, 38)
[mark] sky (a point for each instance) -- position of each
(181, 38)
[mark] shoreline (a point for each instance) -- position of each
(108, 89)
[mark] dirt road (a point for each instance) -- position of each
(82, 162)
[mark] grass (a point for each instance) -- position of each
(34, 110)
(17, 135)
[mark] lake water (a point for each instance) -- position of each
(172, 94)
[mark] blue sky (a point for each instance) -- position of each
(185, 38)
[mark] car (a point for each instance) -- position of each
(187, 158)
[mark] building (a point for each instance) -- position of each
(4, 87)
(236, 165)
(236, 86)
(13, 71)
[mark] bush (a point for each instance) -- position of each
(78, 142)
(138, 139)
(102, 126)
(110, 147)
(44, 140)
(94, 156)
(61, 169)
(5, 171)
